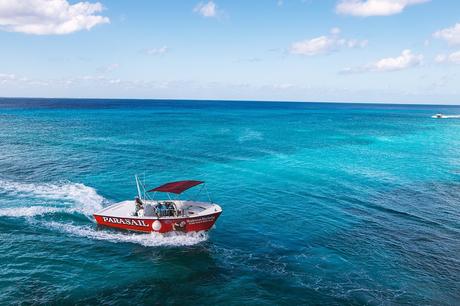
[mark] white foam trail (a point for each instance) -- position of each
(85, 198)
(28, 211)
(152, 239)
(32, 211)
(446, 117)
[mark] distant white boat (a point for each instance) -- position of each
(442, 116)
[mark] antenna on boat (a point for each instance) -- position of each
(138, 188)
(207, 192)
(143, 188)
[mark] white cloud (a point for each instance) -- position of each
(249, 60)
(114, 81)
(365, 8)
(283, 86)
(325, 44)
(157, 51)
(440, 58)
(89, 79)
(13, 79)
(206, 9)
(318, 45)
(448, 58)
(48, 17)
(7, 77)
(335, 31)
(406, 60)
(451, 35)
(108, 68)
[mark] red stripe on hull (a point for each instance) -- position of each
(191, 224)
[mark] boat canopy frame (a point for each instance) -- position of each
(177, 188)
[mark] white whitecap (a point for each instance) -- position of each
(250, 134)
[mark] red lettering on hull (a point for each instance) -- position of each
(186, 224)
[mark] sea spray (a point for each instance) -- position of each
(148, 240)
(79, 197)
(28, 211)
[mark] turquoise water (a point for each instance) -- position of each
(323, 203)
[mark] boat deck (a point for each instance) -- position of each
(186, 209)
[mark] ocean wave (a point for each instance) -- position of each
(250, 134)
(85, 199)
(148, 240)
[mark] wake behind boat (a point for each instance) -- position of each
(442, 116)
(146, 214)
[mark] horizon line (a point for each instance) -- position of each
(231, 100)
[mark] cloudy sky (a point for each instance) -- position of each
(399, 51)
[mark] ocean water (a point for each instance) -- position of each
(322, 203)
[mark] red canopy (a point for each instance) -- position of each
(176, 187)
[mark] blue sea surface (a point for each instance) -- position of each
(337, 204)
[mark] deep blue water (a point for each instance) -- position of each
(323, 203)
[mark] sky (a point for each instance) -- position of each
(390, 51)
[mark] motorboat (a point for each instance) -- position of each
(146, 214)
(438, 116)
